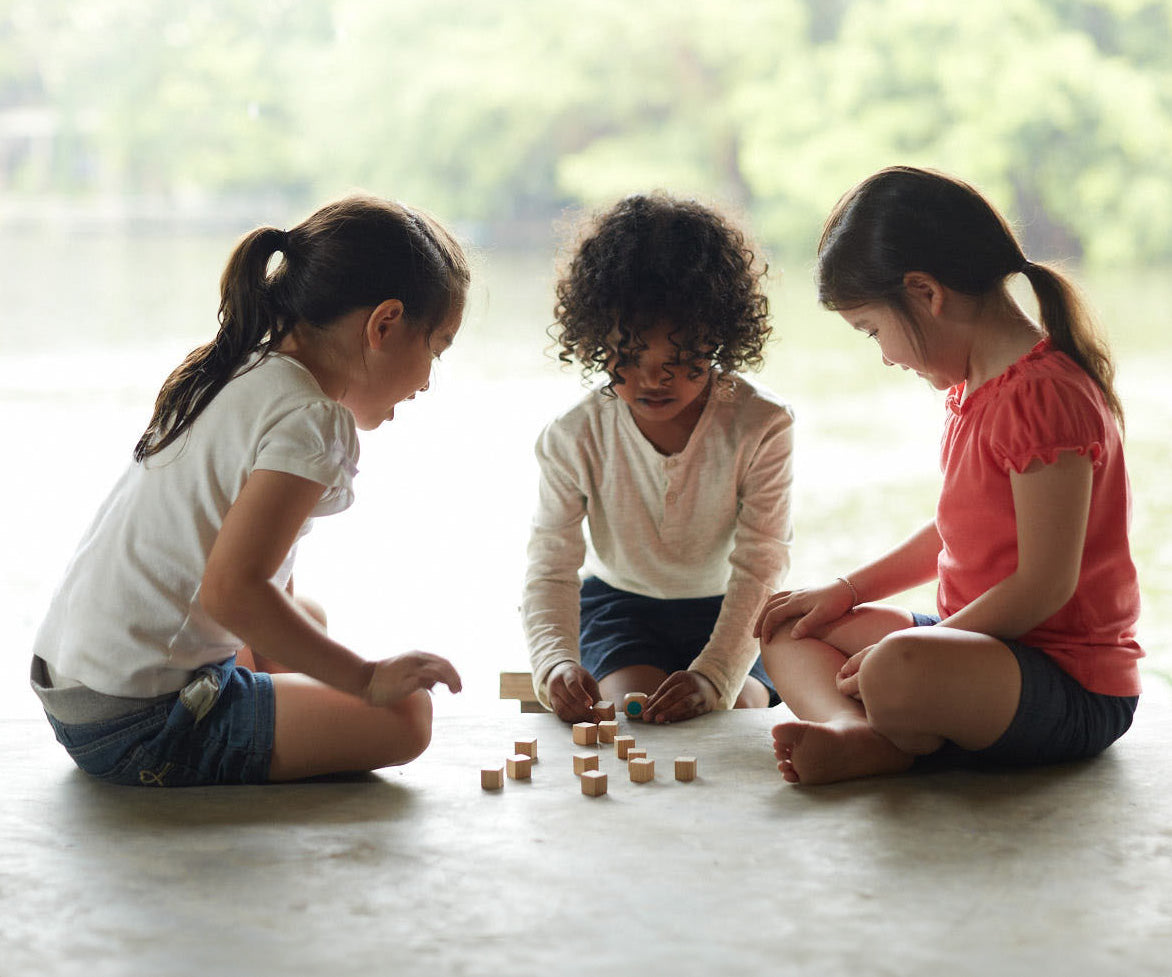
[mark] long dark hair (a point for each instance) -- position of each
(353, 253)
(904, 219)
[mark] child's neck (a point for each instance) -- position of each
(1000, 339)
(670, 437)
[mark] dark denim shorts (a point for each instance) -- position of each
(619, 629)
(1056, 719)
(217, 730)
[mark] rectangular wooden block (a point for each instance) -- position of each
(492, 778)
(633, 754)
(642, 770)
(622, 744)
(585, 761)
(528, 747)
(593, 783)
(608, 729)
(685, 768)
(520, 767)
(634, 703)
(585, 734)
(604, 709)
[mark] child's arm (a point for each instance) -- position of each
(1051, 504)
(238, 592)
(908, 565)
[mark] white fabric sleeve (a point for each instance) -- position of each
(760, 559)
(318, 442)
(557, 548)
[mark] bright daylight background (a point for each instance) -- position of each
(139, 139)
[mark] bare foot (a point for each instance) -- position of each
(822, 753)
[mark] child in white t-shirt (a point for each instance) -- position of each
(153, 662)
(679, 467)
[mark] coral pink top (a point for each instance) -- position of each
(1042, 405)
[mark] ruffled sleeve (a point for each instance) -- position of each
(1041, 417)
(317, 441)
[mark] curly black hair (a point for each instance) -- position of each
(652, 259)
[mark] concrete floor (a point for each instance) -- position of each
(1065, 871)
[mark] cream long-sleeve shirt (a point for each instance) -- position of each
(712, 519)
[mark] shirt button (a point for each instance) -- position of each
(671, 498)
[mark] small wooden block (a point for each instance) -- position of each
(604, 709)
(642, 770)
(585, 761)
(685, 768)
(585, 734)
(608, 729)
(593, 783)
(633, 754)
(622, 744)
(492, 778)
(520, 766)
(634, 704)
(528, 747)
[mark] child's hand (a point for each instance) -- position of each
(683, 695)
(847, 679)
(572, 692)
(393, 679)
(810, 610)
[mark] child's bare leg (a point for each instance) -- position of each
(633, 678)
(320, 730)
(753, 695)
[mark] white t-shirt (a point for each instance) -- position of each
(712, 519)
(126, 620)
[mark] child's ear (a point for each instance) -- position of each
(924, 290)
(385, 321)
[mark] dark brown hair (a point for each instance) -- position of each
(351, 254)
(904, 219)
(652, 259)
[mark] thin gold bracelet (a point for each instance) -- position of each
(854, 593)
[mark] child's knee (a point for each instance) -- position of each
(889, 681)
(412, 725)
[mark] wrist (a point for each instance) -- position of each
(850, 587)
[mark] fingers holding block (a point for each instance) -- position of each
(604, 709)
(527, 747)
(585, 734)
(685, 768)
(585, 761)
(608, 729)
(593, 783)
(642, 770)
(520, 766)
(634, 703)
(622, 744)
(492, 778)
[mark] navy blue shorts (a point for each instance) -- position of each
(620, 629)
(217, 730)
(1057, 719)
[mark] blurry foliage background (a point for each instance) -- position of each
(499, 114)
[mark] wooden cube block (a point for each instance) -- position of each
(633, 754)
(622, 744)
(593, 783)
(520, 766)
(585, 734)
(604, 709)
(492, 778)
(585, 761)
(528, 747)
(642, 770)
(685, 768)
(608, 729)
(634, 703)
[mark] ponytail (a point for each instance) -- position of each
(351, 254)
(1072, 329)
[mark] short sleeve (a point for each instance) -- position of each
(316, 441)
(1041, 418)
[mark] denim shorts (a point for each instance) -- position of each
(1057, 719)
(619, 629)
(216, 730)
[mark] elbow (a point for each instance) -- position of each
(227, 599)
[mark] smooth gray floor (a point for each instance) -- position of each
(1065, 871)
